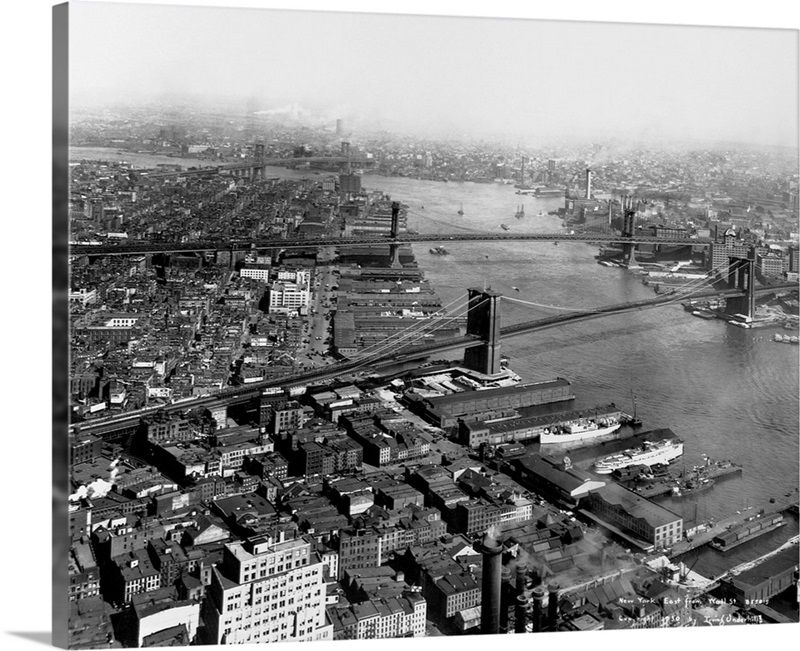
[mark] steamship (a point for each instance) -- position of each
(583, 431)
(649, 454)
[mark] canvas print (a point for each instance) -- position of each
(394, 326)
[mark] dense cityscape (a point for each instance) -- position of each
(442, 496)
(368, 339)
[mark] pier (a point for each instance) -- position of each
(704, 537)
(684, 483)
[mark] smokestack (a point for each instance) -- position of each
(521, 572)
(505, 598)
(552, 604)
(521, 614)
(490, 595)
(538, 603)
(588, 183)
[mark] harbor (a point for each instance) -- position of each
(684, 483)
(705, 533)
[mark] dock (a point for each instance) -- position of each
(676, 484)
(753, 528)
(781, 505)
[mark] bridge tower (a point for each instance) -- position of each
(742, 276)
(393, 233)
(483, 320)
(628, 231)
(258, 168)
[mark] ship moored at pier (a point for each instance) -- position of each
(583, 431)
(649, 454)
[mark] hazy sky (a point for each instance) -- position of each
(477, 75)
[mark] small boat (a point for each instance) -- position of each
(520, 212)
(516, 289)
(461, 209)
(504, 227)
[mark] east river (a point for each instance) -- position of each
(727, 392)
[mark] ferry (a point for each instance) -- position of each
(583, 429)
(650, 453)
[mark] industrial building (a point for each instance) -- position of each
(759, 584)
(445, 411)
(644, 523)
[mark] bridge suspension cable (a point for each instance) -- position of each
(418, 323)
(409, 338)
(423, 333)
(680, 288)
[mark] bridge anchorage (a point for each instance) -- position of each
(483, 320)
(741, 275)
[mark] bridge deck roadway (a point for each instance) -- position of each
(242, 394)
(138, 248)
(256, 164)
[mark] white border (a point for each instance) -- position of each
(26, 377)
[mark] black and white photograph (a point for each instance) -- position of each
(377, 325)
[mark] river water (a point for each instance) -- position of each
(727, 392)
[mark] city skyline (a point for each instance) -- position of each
(261, 346)
(447, 76)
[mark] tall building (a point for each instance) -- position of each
(349, 183)
(721, 252)
(793, 256)
(285, 298)
(267, 590)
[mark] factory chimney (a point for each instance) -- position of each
(552, 605)
(505, 598)
(491, 550)
(521, 614)
(538, 602)
(521, 578)
(588, 183)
